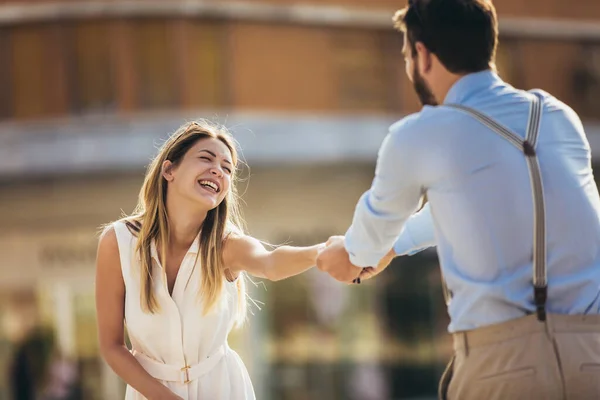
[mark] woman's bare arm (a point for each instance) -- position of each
(110, 303)
(245, 253)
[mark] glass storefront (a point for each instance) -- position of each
(385, 339)
(313, 339)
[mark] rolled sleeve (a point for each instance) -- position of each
(418, 233)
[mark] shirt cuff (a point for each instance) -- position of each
(361, 261)
(405, 245)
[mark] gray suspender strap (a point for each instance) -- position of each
(528, 147)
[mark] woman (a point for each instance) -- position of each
(174, 273)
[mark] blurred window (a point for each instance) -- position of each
(154, 57)
(549, 64)
(5, 78)
(586, 80)
(29, 70)
(92, 83)
(508, 61)
(571, 71)
(281, 67)
(367, 69)
(201, 59)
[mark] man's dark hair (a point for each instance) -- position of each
(463, 34)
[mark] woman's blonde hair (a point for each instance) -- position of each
(150, 223)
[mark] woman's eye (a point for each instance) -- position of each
(227, 169)
(205, 158)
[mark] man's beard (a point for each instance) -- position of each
(423, 91)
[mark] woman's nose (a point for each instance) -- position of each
(216, 171)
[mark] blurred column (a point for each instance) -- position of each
(255, 339)
(111, 383)
(64, 318)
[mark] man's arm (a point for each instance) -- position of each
(383, 210)
(417, 235)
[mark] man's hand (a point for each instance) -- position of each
(370, 272)
(335, 261)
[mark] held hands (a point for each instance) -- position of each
(370, 272)
(334, 260)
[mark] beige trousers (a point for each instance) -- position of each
(526, 359)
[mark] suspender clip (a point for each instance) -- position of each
(528, 149)
(540, 295)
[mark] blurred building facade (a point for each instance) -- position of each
(89, 88)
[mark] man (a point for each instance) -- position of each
(512, 204)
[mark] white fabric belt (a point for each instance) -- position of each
(171, 373)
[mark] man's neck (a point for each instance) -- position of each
(440, 91)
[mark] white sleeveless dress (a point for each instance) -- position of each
(179, 335)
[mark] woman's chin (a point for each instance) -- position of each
(204, 200)
(207, 202)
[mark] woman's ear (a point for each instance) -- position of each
(167, 171)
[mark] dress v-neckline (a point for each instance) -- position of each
(170, 291)
(182, 265)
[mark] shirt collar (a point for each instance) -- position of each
(471, 84)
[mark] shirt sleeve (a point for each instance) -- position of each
(393, 197)
(418, 233)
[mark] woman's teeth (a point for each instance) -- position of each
(210, 184)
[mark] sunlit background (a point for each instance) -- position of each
(89, 88)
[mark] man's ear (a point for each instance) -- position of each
(167, 170)
(425, 58)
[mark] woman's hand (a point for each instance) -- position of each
(166, 394)
(370, 272)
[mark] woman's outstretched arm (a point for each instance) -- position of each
(245, 253)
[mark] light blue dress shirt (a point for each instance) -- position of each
(479, 211)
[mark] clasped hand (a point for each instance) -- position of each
(334, 260)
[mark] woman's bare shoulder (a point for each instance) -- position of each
(108, 245)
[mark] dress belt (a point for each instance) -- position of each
(171, 373)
